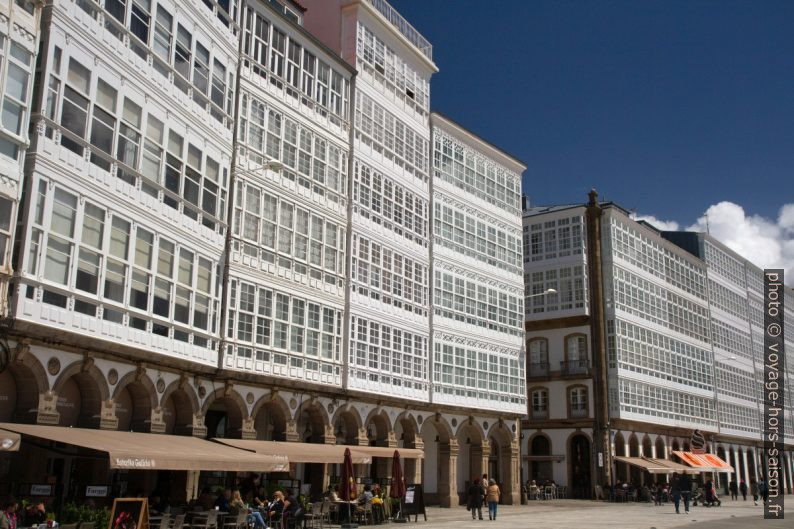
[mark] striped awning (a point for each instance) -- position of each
(704, 462)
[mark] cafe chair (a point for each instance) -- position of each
(179, 521)
(240, 521)
(165, 522)
(365, 516)
(208, 520)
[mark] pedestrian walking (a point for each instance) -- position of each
(492, 496)
(474, 503)
(763, 489)
(484, 484)
(743, 489)
(675, 489)
(686, 491)
(754, 490)
(734, 490)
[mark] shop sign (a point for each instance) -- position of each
(134, 462)
(41, 490)
(96, 491)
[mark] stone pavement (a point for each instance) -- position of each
(579, 514)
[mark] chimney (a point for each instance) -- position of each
(524, 202)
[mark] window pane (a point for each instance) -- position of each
(64, 206)
(165, 258)
(119, 238)
(87, 278)
(56, 267)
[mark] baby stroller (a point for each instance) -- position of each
(711, 499)
(698, 496)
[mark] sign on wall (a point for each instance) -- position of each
(41, 490)
(96, 491)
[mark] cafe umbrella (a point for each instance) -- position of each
(347, 487)
(397, 484)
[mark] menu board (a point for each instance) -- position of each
(129, 513)
(414, 502)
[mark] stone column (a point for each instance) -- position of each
(47, 412)
(157, 424)
(755, 467)
(413, 467)
(199, 429)
(107, 416)
(291, 433)
(485, 457)
(786, 479)
(513, 496)
(736, 477)
(447, 479)
(745, 473)
(790, 469)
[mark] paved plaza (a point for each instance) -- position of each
(577, 514)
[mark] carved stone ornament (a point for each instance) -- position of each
(53, 366)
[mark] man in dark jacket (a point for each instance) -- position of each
(686, 490)
(475, 494)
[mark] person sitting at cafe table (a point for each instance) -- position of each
(35, 514)
(275, 508)
(333, 493)
(158, 504)
(8, 514)
(291, 508)
(224, 498)
(364, 499)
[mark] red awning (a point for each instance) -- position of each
(704, 462)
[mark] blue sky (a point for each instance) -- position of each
(667, 107)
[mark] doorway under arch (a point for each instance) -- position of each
(579, 467)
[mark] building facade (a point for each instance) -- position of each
(226, 230)
(679, 312)
(19, 41)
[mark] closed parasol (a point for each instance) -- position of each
(397, 484)
(347, 486)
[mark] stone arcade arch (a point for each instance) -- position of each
(21, 383)
(473, 453)
(134, 400)
(224, 412)
(81, 391)
(271, 415)
(621, 469)
(661, 449)
(406, 432)
(503, 462)
(179, 406)
(312, 425)
(635, 474)
(379, 433)
(348, 427)
(439, 467)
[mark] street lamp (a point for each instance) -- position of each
(547, 291)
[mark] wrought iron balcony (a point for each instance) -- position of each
(575, 367)
(538, 370)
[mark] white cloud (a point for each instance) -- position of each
(663, 225)
(769, 243)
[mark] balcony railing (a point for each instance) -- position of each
(402, 25)
(578, 413)
(538, 370)
(575, 367)
(540, 414)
